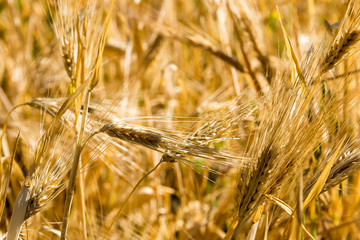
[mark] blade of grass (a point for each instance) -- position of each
(17, 218)
(289, 210)
(316, 190)
(5, 181)
(291, 53)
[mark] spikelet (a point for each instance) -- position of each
(347, 164)
(49, 177)
(345, 40)
(171, 145)
(341, 48)
(283, 142)
(81, 29)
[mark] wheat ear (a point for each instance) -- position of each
(340, 48)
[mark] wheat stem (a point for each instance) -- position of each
(78, 150)
(129, 196)
(82, 201)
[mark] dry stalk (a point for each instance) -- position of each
(165, 158)
(74, 169)
(90, 48)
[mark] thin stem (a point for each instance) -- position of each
(129, 196)
(346, 101)
(88, 138)
(78, 150)
(82, 202)
(5, 126)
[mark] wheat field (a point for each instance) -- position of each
(197, 119)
